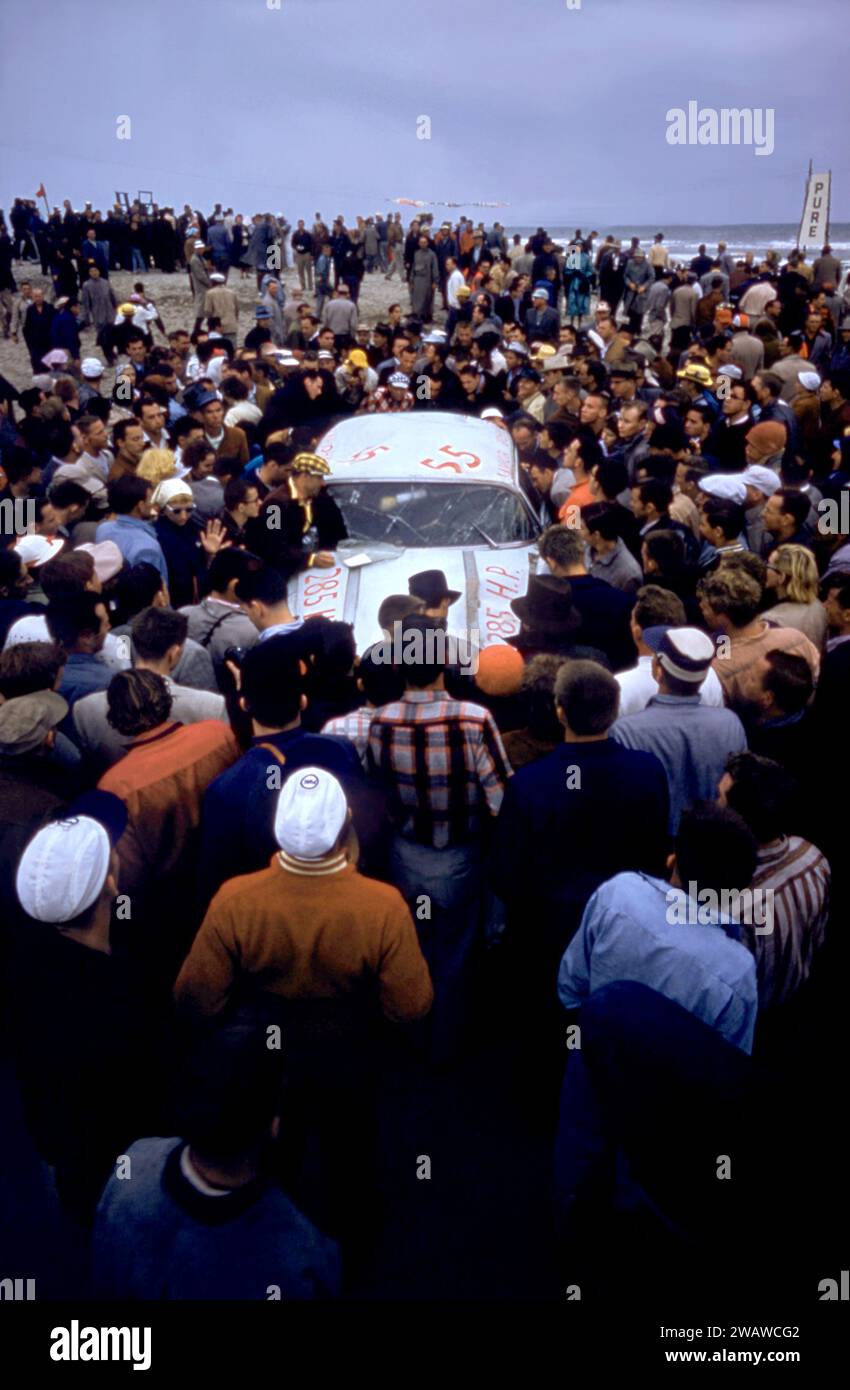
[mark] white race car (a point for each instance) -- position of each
(423, 492)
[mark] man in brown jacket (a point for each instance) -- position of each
(310, 926)
(129, 443)
(312, 943)
(226, 441)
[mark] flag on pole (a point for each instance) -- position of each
(39, 192)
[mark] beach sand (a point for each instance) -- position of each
(173, 298)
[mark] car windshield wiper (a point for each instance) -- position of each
(396, 516)
(494, 545)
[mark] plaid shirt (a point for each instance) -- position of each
(444, 764)
(381, 402)
(355, 727)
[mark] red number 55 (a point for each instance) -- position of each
(473, 461)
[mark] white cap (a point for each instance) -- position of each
(217, 277)
(492, 413)
(28, 629)
(76, 473)
(731, 370)
(92, 368)
(597, 339)
(37, 550)
(243, 410)
(686, 653)
(809, 380)
(764, 479)
(108, 560)
(311, 811)
(63, 869)
(728, 486)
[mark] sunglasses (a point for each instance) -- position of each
(178, 510)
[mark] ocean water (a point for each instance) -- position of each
(683, 242)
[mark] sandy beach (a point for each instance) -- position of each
(173, 298)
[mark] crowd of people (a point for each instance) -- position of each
(243, 861)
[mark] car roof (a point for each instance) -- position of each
(438, 445)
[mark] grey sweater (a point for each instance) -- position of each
(195, 667)
(158, 1237)
(215, 626)
(95, 736)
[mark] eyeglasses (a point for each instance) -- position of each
(178, 511)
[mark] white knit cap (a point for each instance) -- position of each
(765, 479)
(63, 869)
(686, 653)
(311, 812)
(729, 486)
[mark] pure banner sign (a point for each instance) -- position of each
(814, 227)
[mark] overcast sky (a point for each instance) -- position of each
(559, 113)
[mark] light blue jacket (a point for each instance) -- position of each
(626, 934)
(691, 740)
(137, 541)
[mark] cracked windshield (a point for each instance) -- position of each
(407, 514)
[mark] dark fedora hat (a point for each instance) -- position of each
(547, 608)
(431, 586)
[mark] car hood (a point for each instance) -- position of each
(487, 579)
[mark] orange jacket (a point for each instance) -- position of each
(321, 932)
(581, 496)
(162, 780)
